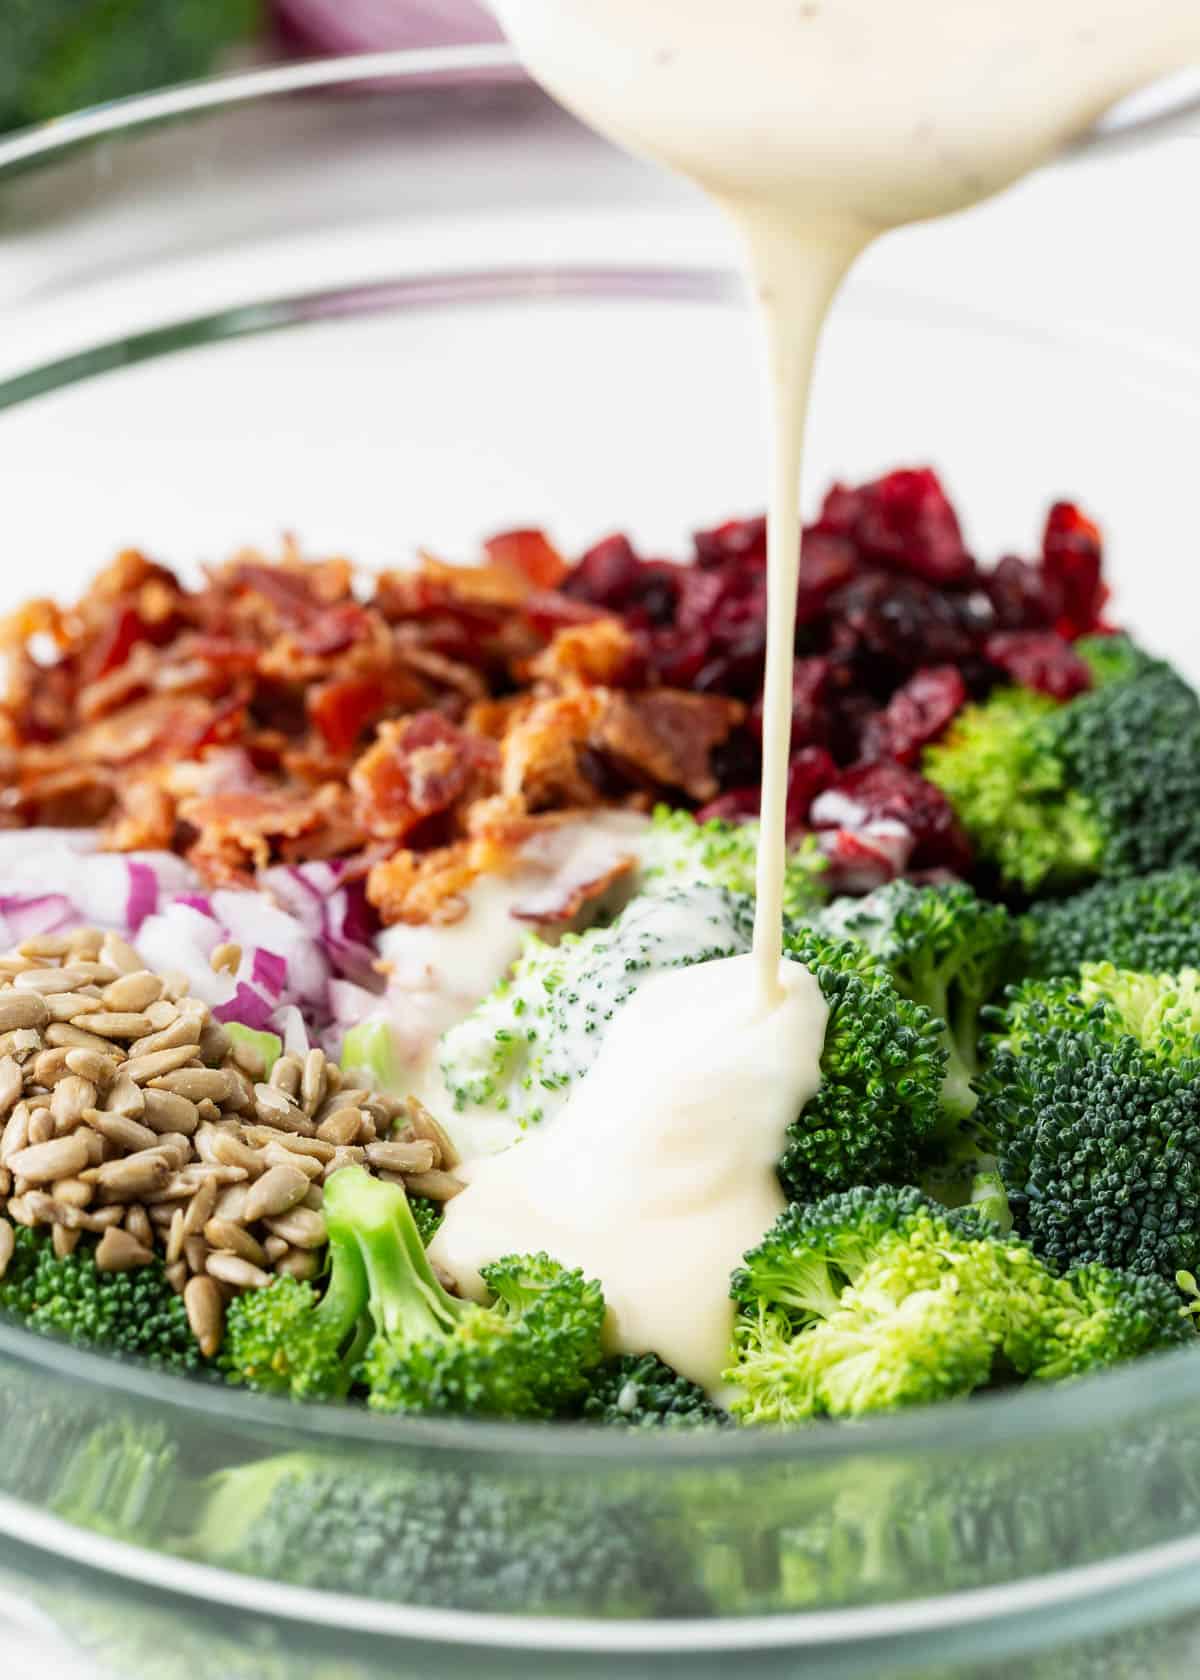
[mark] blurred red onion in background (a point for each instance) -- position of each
(350, 26)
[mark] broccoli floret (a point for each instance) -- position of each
(1098, 1140)
(473, 1539)
(1105, 785)
(1149, 922)
(427, 1216)
(119, 1481)
(640, 1391)
(946, 949)
(679, 850)
(57, 55)
(514, 1060)
(526, 1355)
(292, 1339)
(875, 1299)
(1159, 1012)
(1097, 1317)
(883, 1066)
(135, 1313)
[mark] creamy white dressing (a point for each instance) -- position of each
(658, 1183)
(817, 124)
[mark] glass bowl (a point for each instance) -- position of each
(407, 302)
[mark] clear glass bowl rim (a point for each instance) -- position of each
(1137, 1391)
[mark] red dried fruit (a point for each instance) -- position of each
(736, 806)
(872, 793)
(812, 684)
(1039, 659)
(905, 622)
(904, 521)
(827, 562)
(741, 541)
(810, 772)
(1023, 596)
(605, 575)
(916, 714)
(1072, 557)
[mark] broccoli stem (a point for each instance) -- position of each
(405, 1298)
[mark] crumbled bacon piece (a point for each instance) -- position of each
(419, 768)
(667, 735)
(601, 652)
(238, 833)
(530, 554)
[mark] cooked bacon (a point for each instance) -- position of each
(238, 833)
(144, 820)
(530, 554)
(541, 751)
(428, 886)
(600, 652)
(419, 768)
(668, 735)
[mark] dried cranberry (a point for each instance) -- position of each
(904, 622)
(1023, 596)
(1072, 558)
(676, 657)
(889, 792)
(811, 696)
(916, 714)
(904, 521)
(735, 666)
(738, 540)
(735, 806)
(810, 772)
(736, 761)
(605, 575)
(1039, 659)
(827, 562)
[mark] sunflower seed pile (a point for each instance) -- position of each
(128, 1112)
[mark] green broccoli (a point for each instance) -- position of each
(427, 1216)
(290, 1338)
(119, 1480)
(1090, 1097)
(513, 1061)
(1106, 785)
(134, 1313)
(386, 1324)
(883, 1066)
(640, 1391)
(1148, 922)
(875, 1299)
(478, 1538)
(58, 55)
(946, 949)
(679, 851)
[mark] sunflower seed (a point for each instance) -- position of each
(73, 1192)
(72, 1096)
(249, 1058)
(119, 955)
(273, 1247)
(215, 1044)
(41, 1126)
(11, 1080)
(176, 1275)
(42, 1163)
(228, 1238)
(276, 1108)
(69, 1006)
(301, 1227)
(166, 1112)
(132, 1177)
(22, 1009)
(117, 1251)
(47, 980)
(196, 1084)
(174, 1148)
(175, 985)
(196, 1252)
(120, 1023)
(425, 1126)
(312, 1081)
(205, 1310)
(342, 1126)
(184, 1029)
(91, 1065)
(127, 1134)
(200, 1209)
(230, 1151)
(7, 1244)
(347, 1157)
(227, 958)
(66, 1035)
(276, 1155)
(163, 1013)
(175, 1236)
(143, 1068)
(299, 1263)
(21, 1044)
(137, 1223)
(133, 992)
(231, 1268)
(64, 1241)
(438, 1186)
(277, 1191)
(231, 1202)
(45, 945)
(315, 1148)
(49, 1066)
(123, 1096)
(415, 1157)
